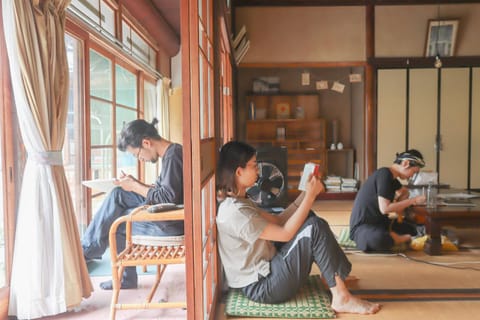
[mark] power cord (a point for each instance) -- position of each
(450, 265)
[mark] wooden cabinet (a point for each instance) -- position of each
(341, 162)
(303, 138)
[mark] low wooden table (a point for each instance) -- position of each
(441, 216)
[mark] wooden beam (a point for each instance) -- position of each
(424, 62)
(333, 64)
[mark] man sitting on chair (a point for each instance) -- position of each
(142, 140)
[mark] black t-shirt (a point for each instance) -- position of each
(365, 208)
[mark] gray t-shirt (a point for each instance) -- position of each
(244, 256)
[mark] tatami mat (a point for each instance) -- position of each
(392, 272)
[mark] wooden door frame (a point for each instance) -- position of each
(198, 160)
(187, 97)
(8, 167)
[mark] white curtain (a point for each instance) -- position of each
(163, 89)
(49, 275)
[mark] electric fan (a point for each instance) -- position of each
(271, 186)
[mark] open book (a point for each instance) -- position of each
(103, 185)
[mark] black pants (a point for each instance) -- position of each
(291, 266)
(376, 237)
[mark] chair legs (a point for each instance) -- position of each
(148, 304)
(116, 284)
(160, 270)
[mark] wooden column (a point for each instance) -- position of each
(370, 109)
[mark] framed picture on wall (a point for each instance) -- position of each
(441, 38)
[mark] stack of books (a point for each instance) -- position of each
(240, 45)
(333, 183)
(349, 185)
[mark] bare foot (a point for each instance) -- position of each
(352, 304)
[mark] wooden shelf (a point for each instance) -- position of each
(304, 138)
(341, 162)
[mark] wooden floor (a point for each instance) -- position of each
(374, 272)
(389, 272)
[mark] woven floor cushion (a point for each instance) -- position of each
(311, 302)
(344, 239)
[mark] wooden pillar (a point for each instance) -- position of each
(370, 108)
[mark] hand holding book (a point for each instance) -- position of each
(309, 169)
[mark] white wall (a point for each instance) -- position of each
(336, 34)
(293, 34)
(401, 31)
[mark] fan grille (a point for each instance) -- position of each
(269, 186)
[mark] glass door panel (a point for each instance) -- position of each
(126, 87)
(100, 76)
(125, 161)
(73, 143)
(101, 119)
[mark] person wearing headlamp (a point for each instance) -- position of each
(383, 194)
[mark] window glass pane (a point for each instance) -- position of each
(152, 58)
(126, 162)
(101, 159)
(149, 100)
(139, 47)
(126, 37)
(100, 76)
(150, 111)
(126, 84)
(107, 20)
(123, 115)
(101, 120)
(73, 144)
(202, 93)
(89, 8)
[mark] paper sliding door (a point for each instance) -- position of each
(475, 136)
(423, 115)
(391, 115)
(436, 112)
(454, 116)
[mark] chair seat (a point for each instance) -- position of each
(146, 251)
(158, 240)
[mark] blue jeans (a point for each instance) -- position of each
(119, 203)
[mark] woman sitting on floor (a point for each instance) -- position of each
(271, 272)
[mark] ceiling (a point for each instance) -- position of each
(170, 10)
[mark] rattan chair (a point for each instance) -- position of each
(144, 251)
